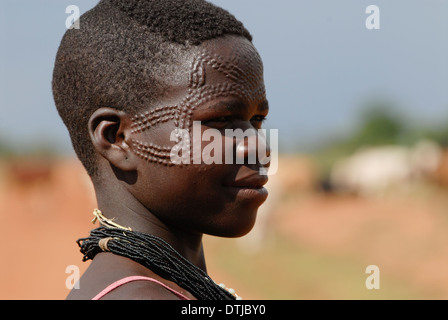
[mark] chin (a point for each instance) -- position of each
(240, 224)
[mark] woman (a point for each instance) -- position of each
(129, 84)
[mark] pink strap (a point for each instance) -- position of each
(123, 281)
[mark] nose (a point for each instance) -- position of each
(253, 149)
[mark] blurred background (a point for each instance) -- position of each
(363, 170)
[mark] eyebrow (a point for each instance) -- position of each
(264, 106)
(235, 105)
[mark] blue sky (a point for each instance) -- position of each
(322, 65)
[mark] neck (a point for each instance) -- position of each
(116, 203)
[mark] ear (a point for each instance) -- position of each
(109, 131)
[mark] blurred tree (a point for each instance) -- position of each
(438, 134)
(4, 149)
(379, 125)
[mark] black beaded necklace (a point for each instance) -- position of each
(155, 254)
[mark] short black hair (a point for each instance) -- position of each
(120, 55)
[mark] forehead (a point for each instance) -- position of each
(231, 52)
(229, 66)
(228, 59)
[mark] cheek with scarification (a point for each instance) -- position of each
(245, 83)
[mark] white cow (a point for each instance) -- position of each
(372, 170)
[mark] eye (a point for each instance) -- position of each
(259, 118)
(221, 119)
(219, 122)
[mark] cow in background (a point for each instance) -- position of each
(373, 170)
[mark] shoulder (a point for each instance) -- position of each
(141, 290)
(129, 290)
(126, 280)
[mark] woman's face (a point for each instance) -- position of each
(215, 189)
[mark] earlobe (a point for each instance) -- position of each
(108, 129)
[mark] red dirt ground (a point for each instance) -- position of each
(46, 206)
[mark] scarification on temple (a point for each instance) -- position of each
(244, 84)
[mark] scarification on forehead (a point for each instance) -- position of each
(245, 84)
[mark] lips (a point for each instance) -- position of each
(251, 181)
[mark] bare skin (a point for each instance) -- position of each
(140, 189)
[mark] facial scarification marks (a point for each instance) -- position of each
(141, 122)
(152, 152)
(144, 121)
(243, 71)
